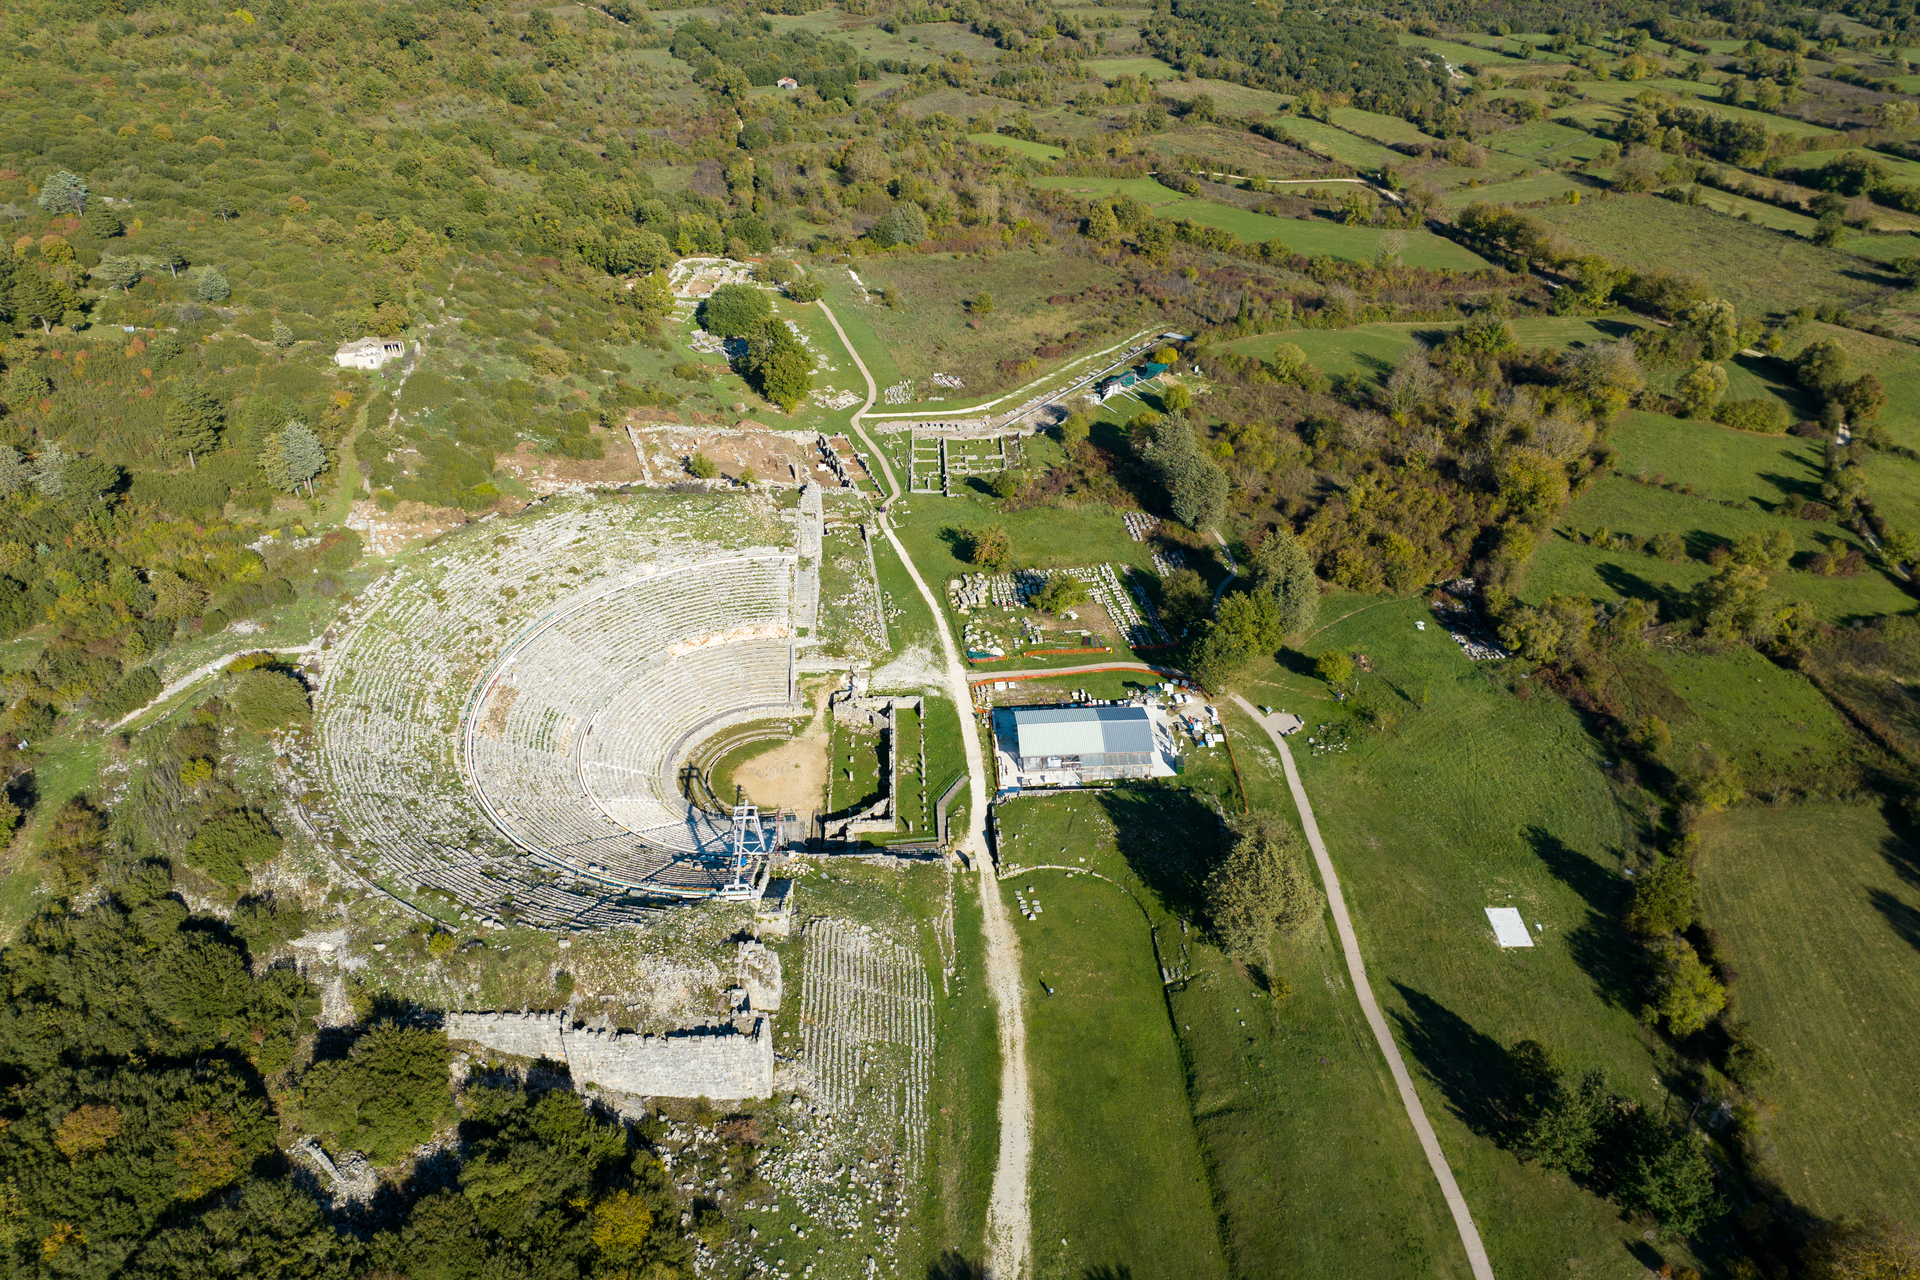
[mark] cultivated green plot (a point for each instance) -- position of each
(1901, 170)
(1378, 347)
(1111, 68)
(1717, 461)
(1545, 142)
(1565, 566)
(1312, 1163)
(1757, 270)
(1378, 128)
(1770, 721)
(1338, 144)
(1020, 146)
(1527, 190)
(1472, 798)
(1145, 190)
(1818, 907)
(1228, 97)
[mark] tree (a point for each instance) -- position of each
(988, 548)
(1533, 485)
(1334, 666)
(905, 224)
(37, 297)
(292, 457)
(76, 844)
(100, 224)
(1686, 995)
(117, 272)
(1262, 888)
(1875, 1248)
(735, 310)
(63, 193)
(1185, 600)
(282, 335)
(806, 289)
(1732, 604)
(386, 1096)
(1195, 483)
(1863, 398)
(779, 364)
(192, 423)
(1062, 592)
(1716, 325)
(1821, 366)
(1668, 1177)
(169, 256)
(981, 304)
(1284, 567)
(1701, 389)
(703, 467)
(1248, 627)
(1005, 484)
(1663, 898)
(1561, 1121)
(211, 286)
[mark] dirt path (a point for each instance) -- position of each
(1009, 1221)
(1357, 970)
(1037, 673)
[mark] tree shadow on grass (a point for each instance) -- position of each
(1473, 1070)
(1107, 1273)
(1904, 918)
(1171, 841)
(1628, 583)
(954, 1265)
(1902, 856)
(1597, 943)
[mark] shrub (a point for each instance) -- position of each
(229, 845)
(136, 689)
(1334, 666)
(264, 699)
(1663, 900)
(988, 548)
(703, 467)
(1766, 416)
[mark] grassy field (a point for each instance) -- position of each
(929, 331)
(1118, 1178)
(1230, 98)
(1020, 146)
(1336, 143)
(1312, 1165)
(1757, 270)
(1471, 798)
(1818, 907)
(1622, 506)
(1546, 143)
(1376, 127)
(1522, 190)
(1112, 68)
(1769, 720)
(1378, 347)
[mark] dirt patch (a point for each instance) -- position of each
(774, 456)
(388, 533)
(543, 475)
(792, 775)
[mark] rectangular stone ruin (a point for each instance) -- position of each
(727, 1063)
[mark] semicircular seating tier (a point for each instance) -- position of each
(574, 738)
(499, 722)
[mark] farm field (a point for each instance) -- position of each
(1759, 271)
(1378, 347)
(1471, 798)
(1818, 907)
(1019, 146)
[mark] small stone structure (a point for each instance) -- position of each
(760, 976)
(875, 714)
(369, 353)
(724, 1063)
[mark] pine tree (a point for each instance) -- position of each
(118, 272)
(1284, 566)
(101, 223)
(36, 298)
(193, 421)
(305, 457)
(63, 193)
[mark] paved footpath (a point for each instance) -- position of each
(1337, 903)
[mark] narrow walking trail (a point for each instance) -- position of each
(1356, 968)
(1009, 1224)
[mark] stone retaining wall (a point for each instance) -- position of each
(725, 1064)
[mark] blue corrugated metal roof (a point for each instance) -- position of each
(1081, 731)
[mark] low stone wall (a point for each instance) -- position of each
(725, 1064)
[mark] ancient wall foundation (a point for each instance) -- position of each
(729, 1062)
